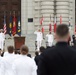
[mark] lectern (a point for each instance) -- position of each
(18, 42)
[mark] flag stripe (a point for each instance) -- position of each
(42, 29)
(41, 20)
(60, 19)
(14, 26)
(10, 26)
(54, 24)
(4, 25)
(50, 29)
(69, 21)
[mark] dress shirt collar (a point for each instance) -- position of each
(62, 43)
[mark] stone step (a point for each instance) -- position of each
(29, 41)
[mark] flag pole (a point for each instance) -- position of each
(50, 27)
(54, 16)
(19, 26)
(14, 24)
(10, 25)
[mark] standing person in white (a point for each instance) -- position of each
(24, 65)
(7, 61)
(50, 39)
(2, 39)
(39, 38)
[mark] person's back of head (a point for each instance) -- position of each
(48, 47)
(42, 48)
(2, 30)
(24, 50)
(10, 49)
(62, 33)
(36, 53)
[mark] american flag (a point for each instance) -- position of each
(60, 19)
(50, 27)
(42, 29)
(41, 20)
(4, 25)
(55, 24)
(69, 22)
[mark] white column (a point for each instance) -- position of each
(43, 8)
(73, 14)
(23, 17)
(37, 14)
(47, 10)
(62, 8)
(30, 14)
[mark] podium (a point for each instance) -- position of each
(18, 42)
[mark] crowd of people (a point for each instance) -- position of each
(59, 59)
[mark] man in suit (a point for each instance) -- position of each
(61, 59)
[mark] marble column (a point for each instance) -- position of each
(23, 17)
(30, 14)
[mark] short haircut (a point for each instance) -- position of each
(36, 53)
(42, 48)
(24, 50)
(62, 30)
(10, 49)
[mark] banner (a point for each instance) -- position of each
(4, 28)
(10, 25)
(55, 24)
(14, 25)
(19, 27)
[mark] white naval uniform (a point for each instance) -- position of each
(2, 39)
(6, 54)
(24, 66)
(6, 65)
(50, 39)
(39, 39)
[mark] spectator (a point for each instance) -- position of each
(37, 57)
(61, 59)
(6, 65)
(24, 65)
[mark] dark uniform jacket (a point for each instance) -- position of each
(59, 60)
(37, 58)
